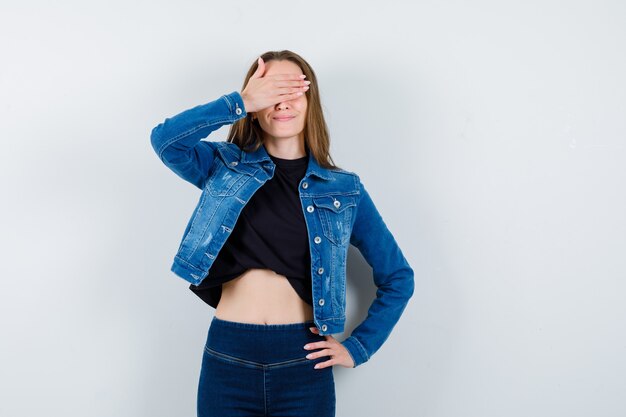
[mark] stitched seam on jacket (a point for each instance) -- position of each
(358, 343)
(189, 132)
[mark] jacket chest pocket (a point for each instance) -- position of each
(225, 181)
(335, 214)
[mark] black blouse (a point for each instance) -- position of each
(270, 233)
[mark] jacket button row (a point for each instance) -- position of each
(310, 209)
(305, 185)
(317, 239)
(324, 327)
(321, 302)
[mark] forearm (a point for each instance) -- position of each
(382, 316)
(177, 141)
(179, 134)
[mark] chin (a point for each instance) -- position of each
(283, 134)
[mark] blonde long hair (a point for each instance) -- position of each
(248, 135)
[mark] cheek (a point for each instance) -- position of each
(302, 108)
(262, 115)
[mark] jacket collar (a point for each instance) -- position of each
(261, 155)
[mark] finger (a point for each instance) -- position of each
(321, 365)
(287, 97)
(287, 77)
(291, 83)
(260, 69)
(318, 353)
(290, 90)
(311, 346)
(317, 345)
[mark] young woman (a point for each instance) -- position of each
(267, 245)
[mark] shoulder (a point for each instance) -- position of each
(227, 146)
(343, 172)
(350, 179)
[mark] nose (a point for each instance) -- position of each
(283, 105)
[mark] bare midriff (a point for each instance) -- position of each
(261, 296)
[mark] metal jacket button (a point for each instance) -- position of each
(309, 209)
(337, 203)
(324, 327)
(320, 270)
(317, 239)
(238, 111)
(321, 301)
(234, 163)
(305, 185)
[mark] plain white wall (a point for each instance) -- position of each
(498, 132)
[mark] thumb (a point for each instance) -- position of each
(260, 69)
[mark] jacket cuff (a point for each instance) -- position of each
(235, 104)
(356, 350)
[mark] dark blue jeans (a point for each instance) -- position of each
(261, 370)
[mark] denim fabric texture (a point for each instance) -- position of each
(337, 207)
(261, 370)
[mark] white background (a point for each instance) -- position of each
(491, 135)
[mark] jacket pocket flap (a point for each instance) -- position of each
(336, 203)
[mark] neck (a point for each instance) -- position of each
(285, 148)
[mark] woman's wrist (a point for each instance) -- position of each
(246, 103)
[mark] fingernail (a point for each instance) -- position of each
(309, 356)
(317, 366)
(303, 76)
(306, 346)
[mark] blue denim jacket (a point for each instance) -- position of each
(337, 209)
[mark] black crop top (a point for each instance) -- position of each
(269, 233)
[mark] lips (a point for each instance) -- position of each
(283, 118)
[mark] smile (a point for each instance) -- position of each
(283, 119)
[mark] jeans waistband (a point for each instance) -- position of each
(262, 327)
(262, 343)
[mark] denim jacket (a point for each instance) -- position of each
(337, 208)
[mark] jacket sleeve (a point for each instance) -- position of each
(393, 278)
(177, 141)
